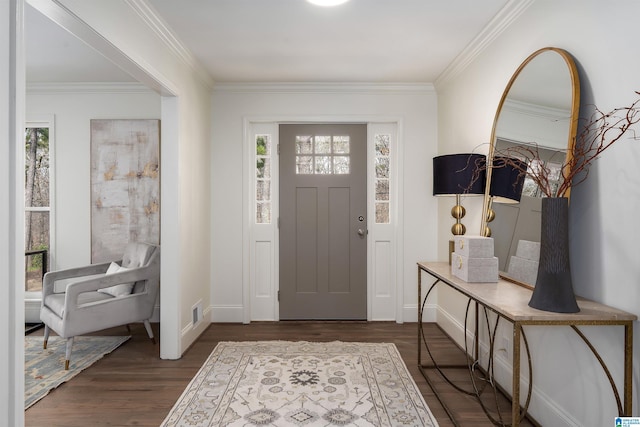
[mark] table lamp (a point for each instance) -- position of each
(507, 181)
(455, 175)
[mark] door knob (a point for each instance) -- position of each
(361, 232)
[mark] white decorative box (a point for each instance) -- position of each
(481, 270)
(474, 246)
(522, 269)
(528, 250)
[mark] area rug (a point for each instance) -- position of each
(44, 369)
(279, 383)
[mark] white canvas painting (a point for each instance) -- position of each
(125, 185)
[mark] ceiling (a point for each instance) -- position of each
(53, 55)
(375, 41)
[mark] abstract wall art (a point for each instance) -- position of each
(125, 185)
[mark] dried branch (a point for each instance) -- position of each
(599, 132)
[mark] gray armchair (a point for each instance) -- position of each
(100, 296)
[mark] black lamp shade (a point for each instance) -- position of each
(454, 174)
(507, 179)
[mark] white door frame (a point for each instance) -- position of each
(385, 284)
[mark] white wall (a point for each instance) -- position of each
(570, 386)
(414, 105)
(73, 106)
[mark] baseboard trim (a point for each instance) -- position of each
(226, 314)
(192, 331)
(452, 327)
(410, 313)
(235, 313)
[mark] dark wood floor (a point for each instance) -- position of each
(133, 387)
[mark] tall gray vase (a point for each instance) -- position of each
(554, 289)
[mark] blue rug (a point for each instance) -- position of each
(44, 369)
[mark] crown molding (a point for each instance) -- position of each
(528, 109)
(138, 69)
(168, 37)
(324, 87)
(94, 87)
(503, 19)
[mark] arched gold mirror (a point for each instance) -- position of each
(538, 113)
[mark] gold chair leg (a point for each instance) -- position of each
(44, 344)
(67, 354)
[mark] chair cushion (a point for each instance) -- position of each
(119, 289)
(137, 255)
(55, 302)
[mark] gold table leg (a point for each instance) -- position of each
(628, 369)
(419, 316)
(515, 400)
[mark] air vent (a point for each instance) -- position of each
(197, 312)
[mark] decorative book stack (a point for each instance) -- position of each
(473, 259)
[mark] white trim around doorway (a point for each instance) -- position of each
(385, 291)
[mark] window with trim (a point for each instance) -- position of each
(263, 179)
(383, 165)
(322, 155)
(554, 171)
(37, 196)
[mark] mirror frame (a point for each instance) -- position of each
(573, 126)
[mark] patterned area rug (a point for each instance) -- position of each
(278, 383)
(44, 369)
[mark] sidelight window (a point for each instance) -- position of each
(263, 179)
(382, 162)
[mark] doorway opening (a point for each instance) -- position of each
(379, 224)
(323, 222)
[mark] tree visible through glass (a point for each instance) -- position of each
(382, 165)
(322, 155)
(263, 179)
(36, 197)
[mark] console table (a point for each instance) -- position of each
(510, 302)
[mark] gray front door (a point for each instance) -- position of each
(323, 237)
